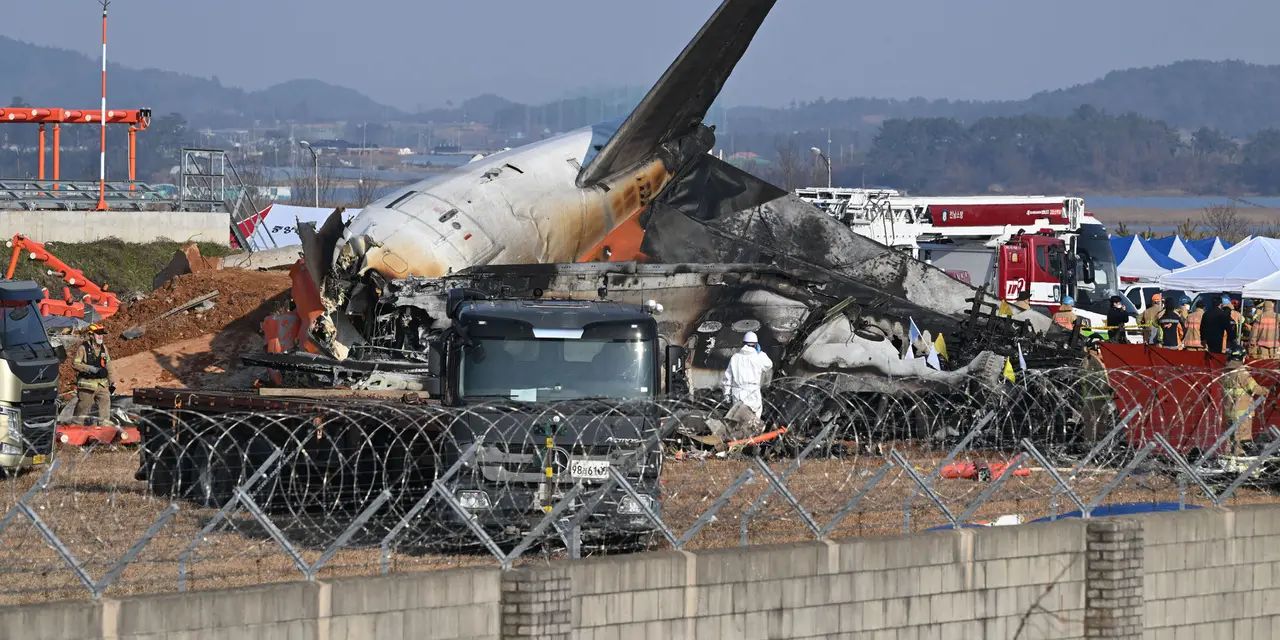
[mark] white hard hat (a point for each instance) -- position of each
(750, 338)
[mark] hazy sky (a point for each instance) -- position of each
(413, 52)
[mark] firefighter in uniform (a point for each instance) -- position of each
(94, 382)
(1096, 394)
(1238, 391)
(1066, 315)
(1150, 319)
(1264, 340)
(1192, 341)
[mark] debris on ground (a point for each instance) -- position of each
(199, 306)
(187, 259)
(225, 330)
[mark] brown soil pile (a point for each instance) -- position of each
(245, 298)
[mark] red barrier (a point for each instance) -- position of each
(1179, 393)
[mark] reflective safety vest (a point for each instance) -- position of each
(1266, 333)
(95, 356)
(1192, 339)
(1065, 318)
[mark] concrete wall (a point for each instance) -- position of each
(1199, 574)
(998, 583)
(130, 226)
(1213, 574)
(458, 605)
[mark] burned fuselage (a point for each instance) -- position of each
(807, 323)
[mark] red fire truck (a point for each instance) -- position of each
(1045, 245)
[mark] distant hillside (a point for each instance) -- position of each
(57, 77)
(1234, 97)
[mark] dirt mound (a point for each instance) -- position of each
(245, 298)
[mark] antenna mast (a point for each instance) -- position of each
(102, 154)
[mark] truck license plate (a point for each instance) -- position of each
(589, 469)
(39, 459)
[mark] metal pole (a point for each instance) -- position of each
(40, 153)
(133, 156)
(828, 157)
(102, 120)
(315, 160)
(57, 154)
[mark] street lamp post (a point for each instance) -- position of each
(826, 160)
(315, 162)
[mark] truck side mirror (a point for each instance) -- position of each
(675, 378)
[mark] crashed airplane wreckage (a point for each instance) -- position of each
(722, 251)
(437, 285)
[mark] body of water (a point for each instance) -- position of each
(1174, 202)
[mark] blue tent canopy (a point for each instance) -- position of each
(1144, 261)
(1178, 249)
(1120, 246)
(1211, 247)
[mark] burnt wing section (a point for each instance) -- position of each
(795, 236)
(676, 105)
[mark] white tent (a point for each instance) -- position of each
(1242, 264)
(1211, 247)
(1267, 288)
(1177, 248)
(1219, 247)
(1145, 262)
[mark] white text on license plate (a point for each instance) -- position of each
(589, 469)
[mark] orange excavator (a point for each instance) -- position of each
(94, 303)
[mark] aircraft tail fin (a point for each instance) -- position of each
(680, 100)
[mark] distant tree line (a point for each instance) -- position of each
(1089, 149)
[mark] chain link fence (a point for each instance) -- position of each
(354, 487)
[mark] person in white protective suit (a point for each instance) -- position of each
(746, 374)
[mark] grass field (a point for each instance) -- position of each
(123, 266)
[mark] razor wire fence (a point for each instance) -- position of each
(219, 499)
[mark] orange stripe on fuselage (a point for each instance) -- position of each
(628, 199)
(623, 243)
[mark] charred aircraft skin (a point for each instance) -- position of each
(808, 323)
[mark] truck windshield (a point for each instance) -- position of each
(20, 325)
(539, 370)
(1094, 251)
